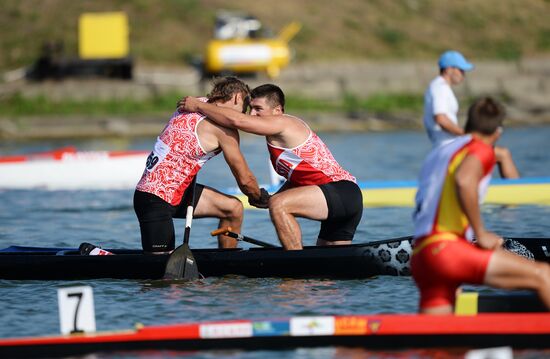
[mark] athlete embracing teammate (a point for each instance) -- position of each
(186, 143)
(317, 187)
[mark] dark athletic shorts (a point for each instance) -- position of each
(345, 208)
(155, 219)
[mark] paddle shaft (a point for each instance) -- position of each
(189, 214)
(181, 264)
(227, 231)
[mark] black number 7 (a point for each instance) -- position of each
(79, 296)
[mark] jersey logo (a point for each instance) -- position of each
(286, 163)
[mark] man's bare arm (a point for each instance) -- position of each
(446, 124)
(263, 126)
(467, 178)
(506, 164)
(229, 143)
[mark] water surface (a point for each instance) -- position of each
(62, 218)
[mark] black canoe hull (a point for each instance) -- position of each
(388, 257)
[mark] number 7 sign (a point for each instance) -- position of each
(76, 309)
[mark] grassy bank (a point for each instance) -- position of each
(173, 31)
(17, 105)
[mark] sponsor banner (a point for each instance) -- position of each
(271, 328)
(304, 326)
(350, 325)
(374, 325)
(226, 330)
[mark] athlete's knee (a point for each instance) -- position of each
(276, 204)
(237, 209)
(234, 209)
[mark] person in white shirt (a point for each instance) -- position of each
(441, 109)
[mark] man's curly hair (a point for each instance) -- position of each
(225, 87)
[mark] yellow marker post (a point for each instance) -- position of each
(466, 303)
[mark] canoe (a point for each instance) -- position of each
(471, 303)
(69, 169)
(522, 191)
(376, 331)
(385, 257)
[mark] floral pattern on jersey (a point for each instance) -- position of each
(317, 165)
(171, 175)
(317, 154)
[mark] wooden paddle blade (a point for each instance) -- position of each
(181, 265)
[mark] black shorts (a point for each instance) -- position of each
(155, 218)
(345, 208)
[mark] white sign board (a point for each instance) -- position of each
(307, 326)
(76, 309)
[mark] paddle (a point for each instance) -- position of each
(228, 232)
(181, 263)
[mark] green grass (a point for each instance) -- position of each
(169, 31)
(392, 37)
(543, 40)
(17, 105)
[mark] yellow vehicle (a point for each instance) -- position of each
(238, 47)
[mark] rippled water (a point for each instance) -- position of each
(59, 218)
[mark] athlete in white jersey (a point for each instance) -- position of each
(441, 109)
(317, 187)
(186, 143)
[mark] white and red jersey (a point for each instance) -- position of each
(310, 163)
(175, 159)
(438, 208)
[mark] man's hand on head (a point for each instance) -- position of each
(188, 104)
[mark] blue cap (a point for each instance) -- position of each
(454, 59)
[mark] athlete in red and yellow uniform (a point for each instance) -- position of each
(453, 179)
(317, 186)
(440, 222)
